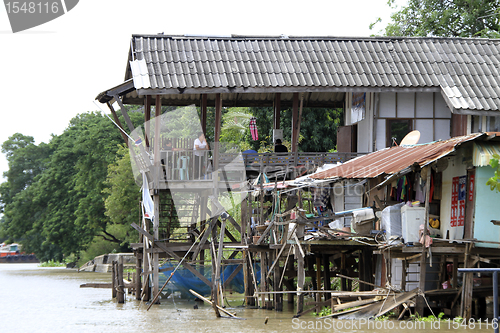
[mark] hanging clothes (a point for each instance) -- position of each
(419, 188)
(253, 129)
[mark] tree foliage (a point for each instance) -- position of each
(318, 128)
(53, 199)
(494, 182)
(445, 18)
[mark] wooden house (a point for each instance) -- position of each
(387, 86)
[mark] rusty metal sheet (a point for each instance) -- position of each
(392, 160)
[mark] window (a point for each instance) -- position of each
(397, 130)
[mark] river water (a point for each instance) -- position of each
(36, 299)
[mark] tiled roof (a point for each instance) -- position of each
(466, 70)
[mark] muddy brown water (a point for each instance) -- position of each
(36, 299)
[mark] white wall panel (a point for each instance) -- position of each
(425, 127)
(441, 109)
(406, 105)
(425, 105)
(387, 105)
(442, 129)
(380, 134)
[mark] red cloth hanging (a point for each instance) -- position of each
(253, 129)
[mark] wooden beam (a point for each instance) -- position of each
(124, 113)
(117, 121)
(234, 223)
(232, 276)
(264, 234)
(213, 223)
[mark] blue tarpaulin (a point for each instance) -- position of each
(184, 280)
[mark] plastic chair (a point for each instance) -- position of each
(182, 167)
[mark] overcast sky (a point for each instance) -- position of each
(53, 72)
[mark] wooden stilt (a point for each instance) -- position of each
(300, 281)
(138, 282)
(121, 290)
(468, 279)
(423, 265)
(343, 281)
(113, 279)
(278, 306)
(263, 280)
(404, 273)
(290, 268)
(318, 281)
(326, 275)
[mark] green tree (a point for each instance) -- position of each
(59, 209)
(235, 127)
(458, 18)
(494, 182)
(123, 198)
(25, 160)
(318, 128)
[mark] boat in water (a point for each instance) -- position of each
(11, 254)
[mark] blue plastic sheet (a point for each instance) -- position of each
(184, 280)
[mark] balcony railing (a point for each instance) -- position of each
(183, 165)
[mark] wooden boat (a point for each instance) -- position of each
(11, 253)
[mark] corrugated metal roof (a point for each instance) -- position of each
(466, 69)
(483, 152)
(395, 159)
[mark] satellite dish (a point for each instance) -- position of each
(411, 138)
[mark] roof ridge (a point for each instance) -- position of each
(288, 37)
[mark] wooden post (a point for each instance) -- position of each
(301, 276)
(343, 282)
(204, 113)
(468, 280)
(278, 306)
(365, 268)
(138, 281)
(147, 118)
(156, 196)
(295, 121)
(290, 267)
(217, 284)
(423, 265)
(455, 271)
(277, 110)
(326, 274)
(318, 282)
(113, 279)
(249, 300)
(263, 281)
(404, 269)
(121, 290)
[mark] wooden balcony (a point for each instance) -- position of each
(181, 170)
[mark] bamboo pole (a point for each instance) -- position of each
(232, 315)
